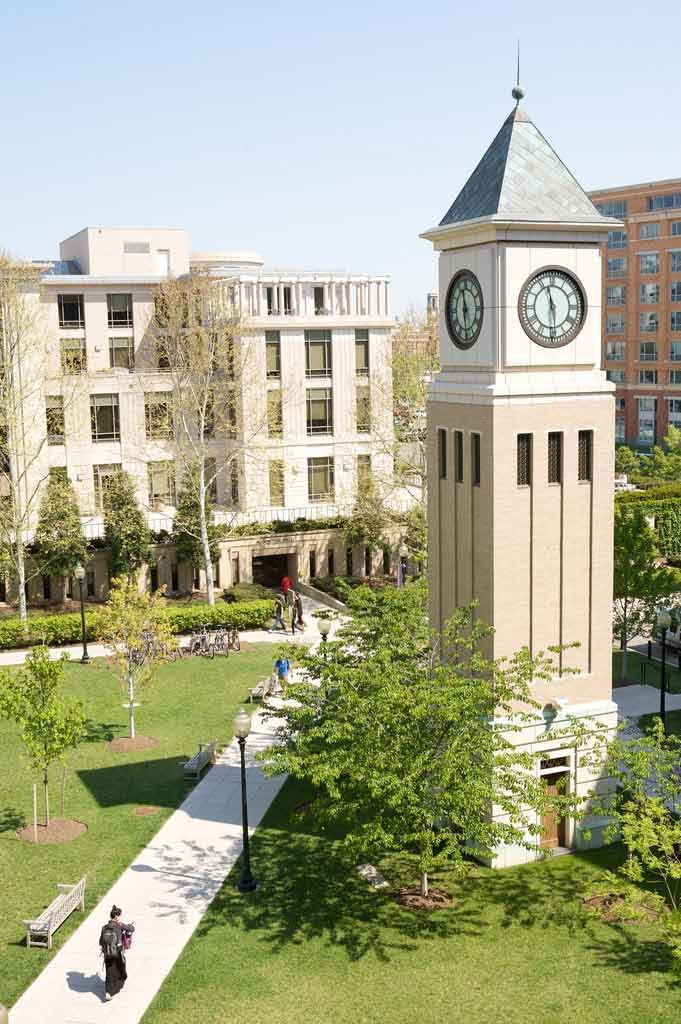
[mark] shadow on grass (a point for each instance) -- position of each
(101, 732)
(11, 820)
(156, 781)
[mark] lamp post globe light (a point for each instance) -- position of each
(242, 727)
(79, 573)
(324, 627)
(664, 621)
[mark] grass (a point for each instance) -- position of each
(315, 944)
(640, 670)
(191, 701)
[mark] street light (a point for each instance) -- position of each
(403, 555)
(79, 573)
(664, 621)
(324, 627)
(242, 727)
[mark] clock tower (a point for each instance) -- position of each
(521, 437)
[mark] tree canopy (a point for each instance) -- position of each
(59, 542)
(125, 530)
(187, 526)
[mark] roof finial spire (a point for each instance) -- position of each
(517, 92)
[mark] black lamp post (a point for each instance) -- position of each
(324, 627)
(242, 727)
(664, 621)
(79, 573)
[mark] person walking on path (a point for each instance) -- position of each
(278, 623)
(286, 584)
(114, 939)
(282, 667)
(298, 611)
(290, 596)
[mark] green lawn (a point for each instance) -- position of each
(191, 701)
(640, 670)
(315, 944)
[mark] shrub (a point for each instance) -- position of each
(247, 592)
(241, 615)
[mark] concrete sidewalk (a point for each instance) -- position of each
(165, 892)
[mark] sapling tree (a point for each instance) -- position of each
(125, 530)
(50, 724)
(136, 628)
(401, 744)
(187, 525)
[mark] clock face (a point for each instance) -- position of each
(464, 309)
(552, 307)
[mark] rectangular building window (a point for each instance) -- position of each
(675, 291)
(442, 453)
(234, 482)
(73, 355)
(675, 376)
(121, 353)
(616, 376)
(648, 323)
(236, 575)
(675, 352)
(616, 295)
(319, 299)
(620, 430)
(613, 208)
(101, 476)
(58, 473)
(320, 478)
(649, 263)
(649, 230)
(675, 227)
(647, 376)
(273, 354)
(475, 460)
(71, 311)
(647, 351)
(54, 415)
(318, 354)
(104, 418)
(620, 405)
(363, 409)
(158, 415)
(614, 323)
(674, 412)
(617, 239)
(363, 472)
(90, 583)
(647, 412)
(584, 454)
(288, 308)
(161, 477)
(319, 411)
(272, 301)
(555, 468)
(524, 460)
(675, 322)
(276, 471)
(671, 201)
(119, 308)
(348, 561)
(362, 353)
(650, 293)
(313, 564)
(614, 351)
(331, 562)
(616, 267)
(675, 262)
(458, 456)
(275, 426)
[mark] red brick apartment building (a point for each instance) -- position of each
(642, 307)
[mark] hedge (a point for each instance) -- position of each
(59, 629)
(663, 505)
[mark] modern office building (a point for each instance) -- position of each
(319, 351)
(642, 307)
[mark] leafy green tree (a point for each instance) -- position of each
(136, 628)
(640, 584)
(59, 542)
(370, 519)
(49, 724)
(627, 462)
(125, 530)
(399, 743)
(187, 527)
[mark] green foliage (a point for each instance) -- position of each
(337, 586)
(618, 900)
(248, 592)
(370, 518)
(187, 523)
(241, 615)
(414, 526)
(125, 531)
(49, 724)
(627, 461)
(398, 744)
(59, 542)
(284, 526)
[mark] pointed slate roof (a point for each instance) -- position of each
(520, 177)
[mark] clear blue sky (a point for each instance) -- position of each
(320, 135)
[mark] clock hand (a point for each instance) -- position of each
(465, 310)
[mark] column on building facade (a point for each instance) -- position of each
(280, 298)
(299, 298)
(387, 307)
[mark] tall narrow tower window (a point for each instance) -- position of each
(524, 461)
(555, 457)
(584, 455)
(442, 453)
(475, 460)
(458, 456)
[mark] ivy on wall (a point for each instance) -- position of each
(663, 505)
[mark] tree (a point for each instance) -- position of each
(187, 524)
(627, 462)
(370, 518)
(639, 582)
(50, 725)
(59, 543)
(401, 745)
(136, 627)
(125, 532)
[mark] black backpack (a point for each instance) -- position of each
(108, 940)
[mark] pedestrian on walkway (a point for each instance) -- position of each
(282, 667)
(114, 939)
(298, 611)
(278, 623)
(290, 596)
(286, 584)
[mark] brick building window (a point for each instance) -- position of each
(617, 239)
(584, 454)
(555, 467)
(675, 322)
(675, 352)
(675, 262)
(649, 294)
(648, 323)
(616, 376)
(524, 460)
(614, 324)
(614, 351)
(649, 230)
(675, 291)
(616, 267)
(647, 351)
(649, 263)
(647, 376)
(616, 295)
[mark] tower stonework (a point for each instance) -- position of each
(521, 437)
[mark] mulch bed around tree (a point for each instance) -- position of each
(610, 909)
(144, 810)
(123, 744)
(411, 898)
(60, 830)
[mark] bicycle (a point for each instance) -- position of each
(233, 641)
(221, 641)
(200, 642)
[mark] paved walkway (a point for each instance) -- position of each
(165, 891)
(634, 701)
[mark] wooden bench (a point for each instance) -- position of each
(40, 931)
(204, 756)
(261, 689)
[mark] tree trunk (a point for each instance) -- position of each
(623, 669)
(47, 801)
(63, 791)
(205, 540)
(424, 883)
(131, 702)
(21, 576)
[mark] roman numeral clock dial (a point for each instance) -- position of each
(552, 307)
(464, 309)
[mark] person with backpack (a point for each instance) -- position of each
(290, 598)
(278, 623)
(114, 939)
(298, 612)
